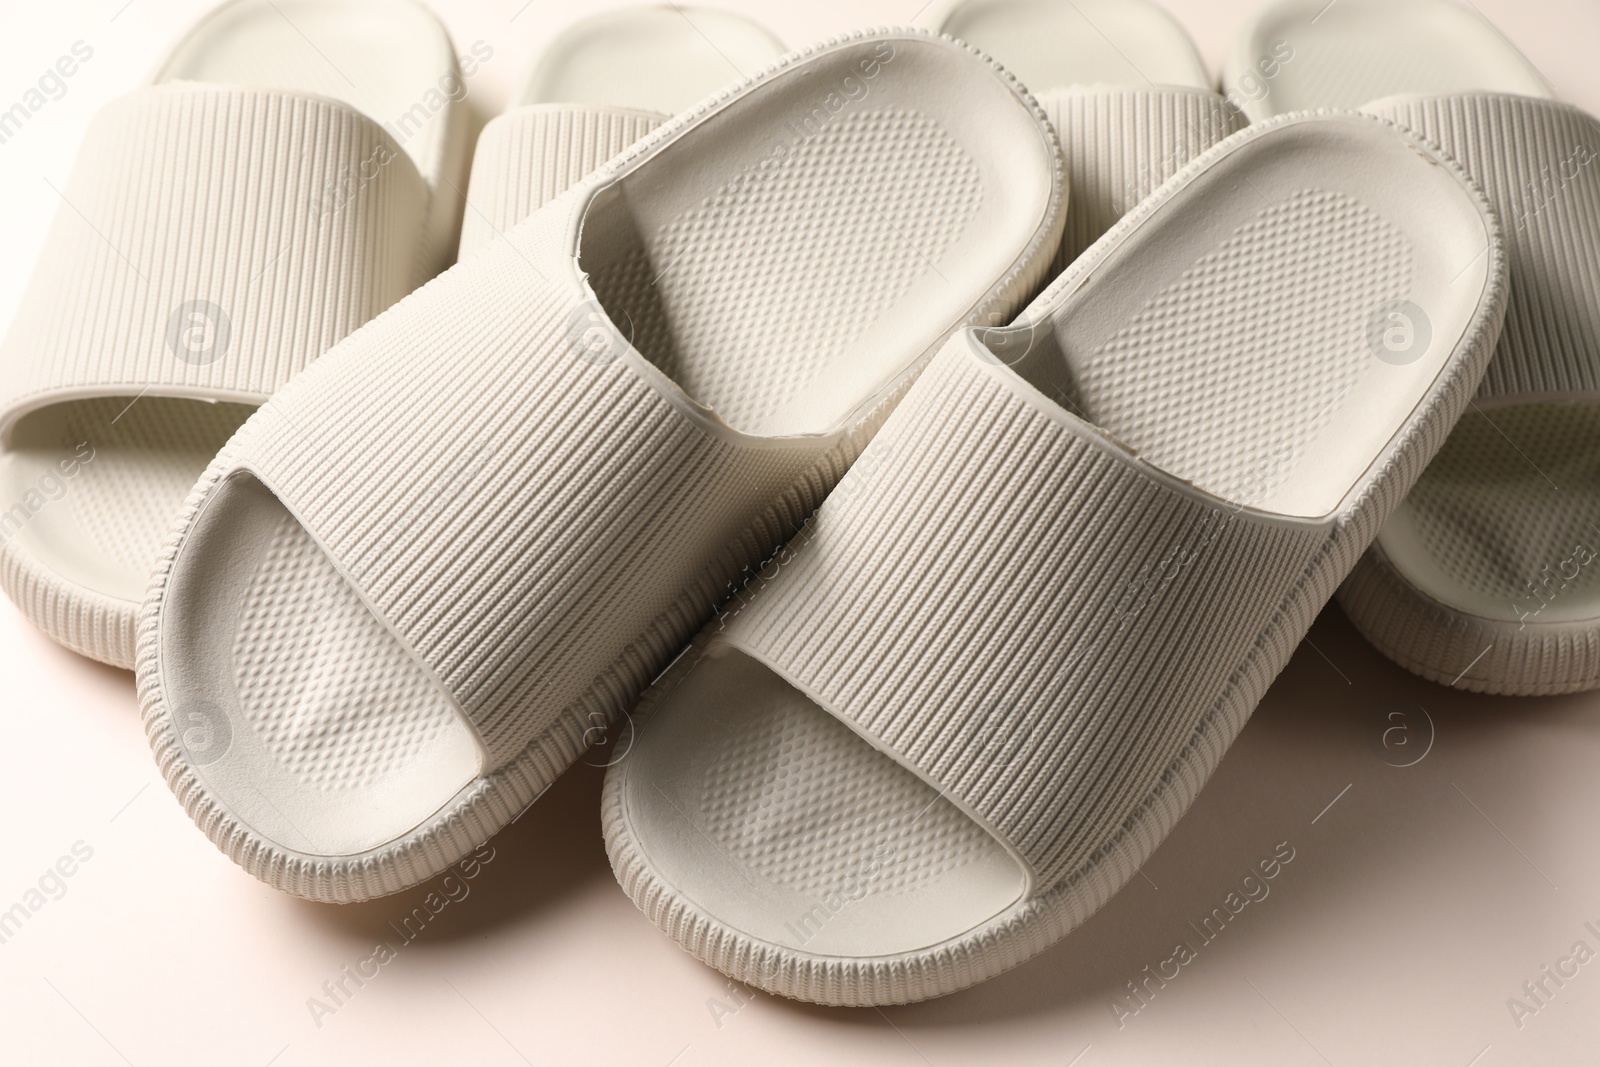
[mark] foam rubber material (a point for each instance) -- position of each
(601, 85)
(584, 432)
(80, 565)
(946, 723)
(1484, 578)
(663, 59)
(1049, 44)
(1125, 89)
(1353, 52)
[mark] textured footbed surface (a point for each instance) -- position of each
(337, 741)
(1049, 44)
(131, 462)
(352, 708)
(777, 818)
(661, 59)
(891, 179)
(1505, 523)
(1355, 51)
(761, 809)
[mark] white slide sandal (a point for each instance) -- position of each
(953, 716)
(1125, 89)
(1488, 576)
(275, 186)
(602, 84)
(411, 588)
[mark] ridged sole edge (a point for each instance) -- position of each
(1453, 648)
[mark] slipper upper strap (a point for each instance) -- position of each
(533, 510)
(528, 156)
(1538, 161)
(1033, 621)
(1120, 144)
(213, 241)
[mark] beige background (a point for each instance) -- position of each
(1418, 901)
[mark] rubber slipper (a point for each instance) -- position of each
(1125, 89)
(602, 84)
(1487, 577)
(413, 587)
(275, 186)
(955, 714)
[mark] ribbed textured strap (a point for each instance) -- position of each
(212, 242)
(530, 155)
(1016, 610)
(1539, 163)
(525, 512)
(1120, 144)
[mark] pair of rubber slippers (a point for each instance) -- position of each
(946, 713)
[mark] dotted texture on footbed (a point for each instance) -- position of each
(891, 180)
(1488, 514)
(795, 795)
(1170, 383)
(326, 688)
(147, 455)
